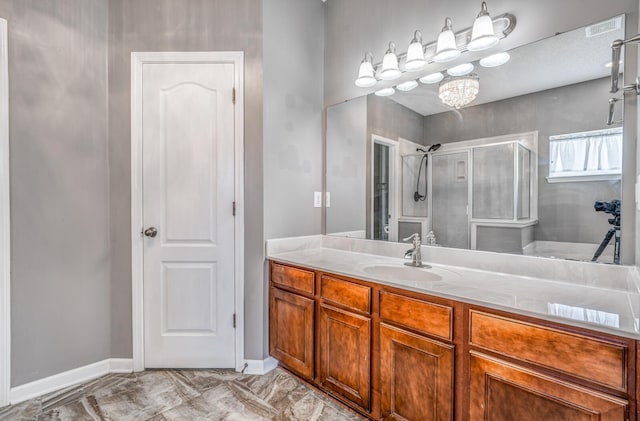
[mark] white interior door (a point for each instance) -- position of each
(188, 196)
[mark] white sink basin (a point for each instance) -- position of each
(404, 273)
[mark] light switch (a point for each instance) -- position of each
(327, 199)
(317, 199)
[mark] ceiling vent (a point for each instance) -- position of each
(613, 24)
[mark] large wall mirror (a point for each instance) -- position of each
(531, 166)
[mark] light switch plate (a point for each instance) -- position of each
(327, 199)
(317, 199)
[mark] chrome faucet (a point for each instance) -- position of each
(414, 254)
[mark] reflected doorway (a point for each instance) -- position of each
(384, 157)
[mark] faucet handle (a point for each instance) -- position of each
(415, 237)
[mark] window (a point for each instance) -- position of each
(586, 156)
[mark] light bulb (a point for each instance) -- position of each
(415, 54)
(482, 34)
(366, 78)
(390, 69)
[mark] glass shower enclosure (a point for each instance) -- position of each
(484, 193)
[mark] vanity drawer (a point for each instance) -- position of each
(430, 318)
(591, 359)
(346, 294)
(294, 278)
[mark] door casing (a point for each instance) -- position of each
(5, 227)
(138, 60)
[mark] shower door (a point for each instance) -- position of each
(450, 199)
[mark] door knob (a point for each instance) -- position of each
(151, 232)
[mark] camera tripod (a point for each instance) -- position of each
(613, 231)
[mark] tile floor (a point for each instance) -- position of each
(164, 395)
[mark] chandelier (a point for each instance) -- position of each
(459, 91)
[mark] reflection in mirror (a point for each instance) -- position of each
(519, 170)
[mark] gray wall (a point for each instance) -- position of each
(346, 155)
(389, 119)
(183, 25)
(565, 209)
(59, 185)
(293, 103)
(350, 31)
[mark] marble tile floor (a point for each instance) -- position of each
(167, 395)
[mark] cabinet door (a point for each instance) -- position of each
(345, 349)
(291, 331)
(416, 377)
(500, 391)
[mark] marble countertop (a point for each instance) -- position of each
(614, 310)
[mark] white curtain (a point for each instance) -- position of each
(588, 155)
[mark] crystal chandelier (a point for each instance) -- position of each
(457, 92)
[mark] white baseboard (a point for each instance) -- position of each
(121, 365)
(69, 378)
(92, 371)
(261, 366)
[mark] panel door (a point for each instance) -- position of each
(416, 377)
(345, 353)
(500, 391)
(291, 328)
(188, 192)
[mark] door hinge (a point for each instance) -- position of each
(234, 208)
(233, 96)
(234, 320)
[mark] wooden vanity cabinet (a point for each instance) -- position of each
(416, 376)
(344, 347)
(416, 371)
(392, 354)
(501, 391)
(344, 339)
(545, 372)
(292, 319)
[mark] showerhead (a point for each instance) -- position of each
(435, 147)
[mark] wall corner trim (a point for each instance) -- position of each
(261, 366)
(69, 378)
(5, 227)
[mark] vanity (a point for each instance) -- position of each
(450, 342)
(513, 321)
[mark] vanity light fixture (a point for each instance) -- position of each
(407, 86)
(385, 92)
(431, 78)
(366, 77)
(495, 60)
(457, 92)
(461, 69)
(446, 48)
(415, 54)
(482, 35)
(390, 69)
